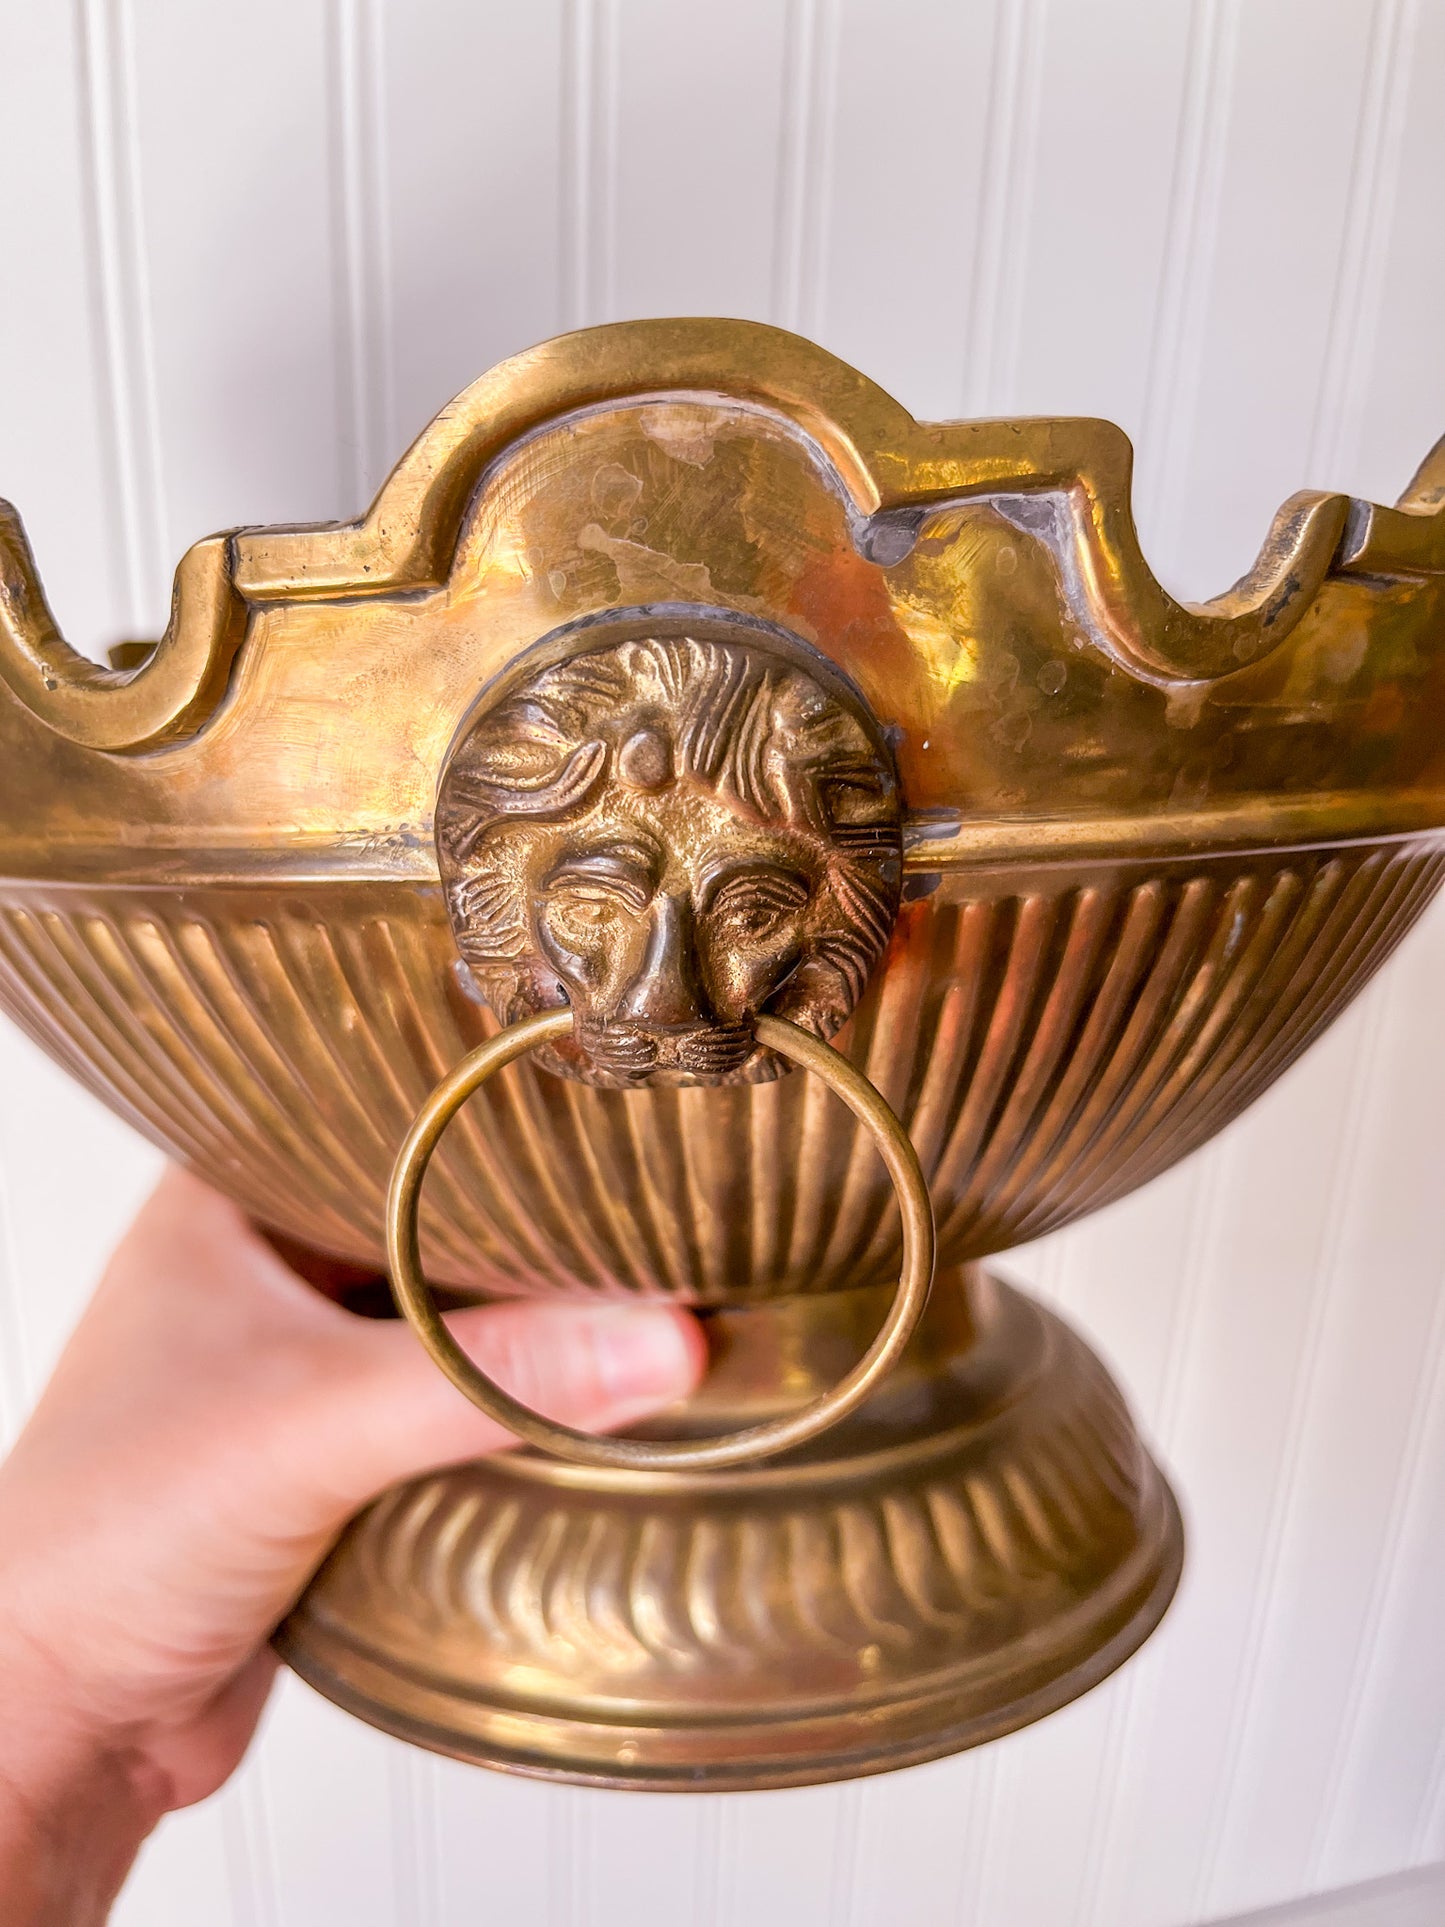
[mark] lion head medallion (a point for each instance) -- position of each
(671, 827)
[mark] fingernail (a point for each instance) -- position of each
(642, 1352)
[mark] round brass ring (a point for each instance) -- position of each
(413, 1294)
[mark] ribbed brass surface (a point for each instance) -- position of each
(1049, 1039)
(987, 1544)
(677, 675)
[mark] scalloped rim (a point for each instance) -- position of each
(888, 462)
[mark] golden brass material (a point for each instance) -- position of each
(760, 1441)
(1111, 861)
(664, 825)
(982, 1543)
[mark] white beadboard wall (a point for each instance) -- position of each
(249, 249)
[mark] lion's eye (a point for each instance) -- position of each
(758, 905)
(586, 908)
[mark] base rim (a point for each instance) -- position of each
(300, 1648)
(932, 1579)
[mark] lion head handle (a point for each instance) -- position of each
(671, 833)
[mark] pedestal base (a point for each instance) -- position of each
(980, 1545)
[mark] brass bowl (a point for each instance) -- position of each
(1149, 851)
(1050, 1034)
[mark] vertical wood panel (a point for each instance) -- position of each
(1388, 1768)
(234, 176)
(1401, 391)
(74, 1174)
(697, 129)
(1229, 1444)
(57, 452)
(784, 1850)
(1391, 1738)
(1288, 141)
(909, 146)
(1349, 1435)
(231, 256)
(322, 1818)
(1355, 298)
(645, 1857)
(361, 277)
(473, 107)
(181, 1875)
(120, 271)
(1200, 135)
(804, 161)
(1103, 170)
(496, 1836)
(1139, 1271)
(1005, 206)
(921, 1837)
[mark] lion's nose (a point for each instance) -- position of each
(667, 992)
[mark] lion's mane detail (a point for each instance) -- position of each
(747, 725)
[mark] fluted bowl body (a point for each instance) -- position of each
(1145, 850)
(1050, 1036)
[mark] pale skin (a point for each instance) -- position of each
(210, 1427)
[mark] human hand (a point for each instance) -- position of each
(210, 1427)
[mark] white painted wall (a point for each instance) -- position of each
(1413, 1899)
(249, 248)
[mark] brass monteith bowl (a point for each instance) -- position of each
(1112, 862)
(1151, 850)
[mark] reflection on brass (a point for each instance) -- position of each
(982, 1544)
(760, 1441)
(678, 677)
(664, 834)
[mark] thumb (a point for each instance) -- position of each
(394, 1414)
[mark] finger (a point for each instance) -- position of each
(393, 1414)
(332, 1408)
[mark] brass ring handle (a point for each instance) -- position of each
(414, 1298)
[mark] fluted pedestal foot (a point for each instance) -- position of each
(980, 1545)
